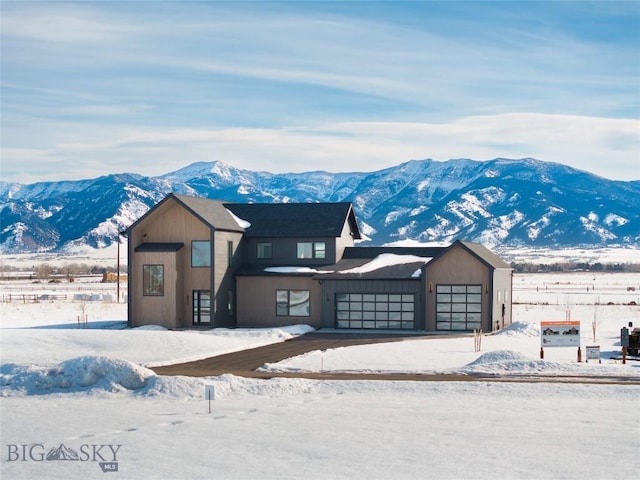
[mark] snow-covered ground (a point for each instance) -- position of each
(88, 387)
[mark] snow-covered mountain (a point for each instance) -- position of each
(497, 202)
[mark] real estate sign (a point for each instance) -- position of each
(593, 352)
(565, 333)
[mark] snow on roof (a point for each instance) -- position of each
(294, 270)
(239, 221)
(386, 260)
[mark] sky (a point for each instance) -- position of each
(92, 88)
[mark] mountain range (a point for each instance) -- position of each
(500, 202)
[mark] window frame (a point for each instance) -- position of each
(260, 250)
(316, 250)
(148, 287)
(285, 307)
(229, 253)
(206, 257)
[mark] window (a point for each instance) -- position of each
(153, 280)
(264, 250)
(375, 310)
(458, 307)
(200, 253)
(230, 302)
(292, 303)
(311, 250)
(229, 253)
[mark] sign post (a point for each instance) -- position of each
(560, 333)
(624, 341)
(209, 394)
(593, 353)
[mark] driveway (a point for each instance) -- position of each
(247, 361)
(244, 363)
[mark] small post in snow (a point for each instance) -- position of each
(477, 340)
(210, 394)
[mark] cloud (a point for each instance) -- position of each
(607, 147)
(93, 88)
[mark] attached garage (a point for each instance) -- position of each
(375, 310)
(357, 296)
(467, 288)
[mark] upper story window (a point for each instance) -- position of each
(264, 250)
(201, 253)
(311, 250)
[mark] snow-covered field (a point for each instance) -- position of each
(84, 393)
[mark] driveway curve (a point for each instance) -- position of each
(245, 363)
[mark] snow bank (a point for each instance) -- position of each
(525, 329)
(74, 375)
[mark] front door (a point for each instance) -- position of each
(201, 307)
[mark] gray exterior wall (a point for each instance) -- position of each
(285, 251)
(457, 266)
(502, 293)
(330, 287)
(256, 300)
(223, 307)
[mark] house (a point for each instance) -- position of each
(200, 262)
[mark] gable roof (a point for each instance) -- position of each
(296, 219)
(484, 254)
(478, 251)
(210, 212)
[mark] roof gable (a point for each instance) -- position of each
(211, 212)
(478, 251)
(484, 254)
(296, 219)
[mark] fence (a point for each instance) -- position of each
(50, 297)
(31, 297)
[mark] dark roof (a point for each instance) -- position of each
(373, 252)
(296, 219)
(159, 247)
(260, 271)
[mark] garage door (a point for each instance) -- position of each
(458, 307)
(379, 310)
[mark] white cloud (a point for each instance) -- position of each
(95, 88)
(607, 147)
